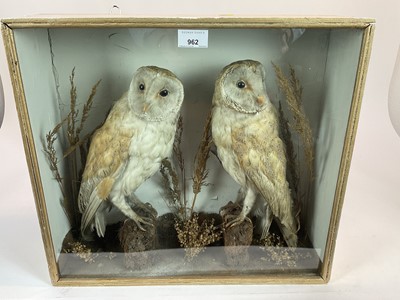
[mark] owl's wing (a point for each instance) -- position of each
(263, 160)
(107, 158)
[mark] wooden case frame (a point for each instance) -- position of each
(8, 25)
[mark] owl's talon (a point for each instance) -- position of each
(147, 221)
(235, 222)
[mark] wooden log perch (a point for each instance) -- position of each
(136, 243)
(237, 238)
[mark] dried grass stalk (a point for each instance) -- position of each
(171, 189)
(51, 154)
(292, 165)
(200, 172)
(73, 132)
(293, 92)
(191, 235)
(81, 142)
(54, 69)
(177, 150)
(87, 107)
(200, 161)
(174, 191)
(71, 136)
(75, 143)
(73, 113)
(177, 144)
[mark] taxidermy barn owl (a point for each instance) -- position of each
(128, 149)
(245, 129)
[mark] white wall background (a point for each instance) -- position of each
(367, 259)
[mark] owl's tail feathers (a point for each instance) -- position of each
(100, 223)
(285, 216)
(289, 234)
(93, 217)
(288, 227)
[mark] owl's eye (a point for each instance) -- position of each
(141, 87)
(164, 93)
(241, 84)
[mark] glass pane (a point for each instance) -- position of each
(58, 63)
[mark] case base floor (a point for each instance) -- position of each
(105, 257)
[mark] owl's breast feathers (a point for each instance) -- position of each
(250, 149)
(259, 150)
(261, 155)
(222, 125)
(123, 153)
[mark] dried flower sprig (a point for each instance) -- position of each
(83, 252)
(194, 237)
(280, 255)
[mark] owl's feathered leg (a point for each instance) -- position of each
(121, 203)
(241, 195)
(135, 201)
(248, 203)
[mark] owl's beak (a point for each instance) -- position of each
(146, 107)
(260, 100)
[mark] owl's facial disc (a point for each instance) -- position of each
(244, 89)
(162, 94)
(155, 94)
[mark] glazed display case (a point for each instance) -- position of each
(67, 72)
